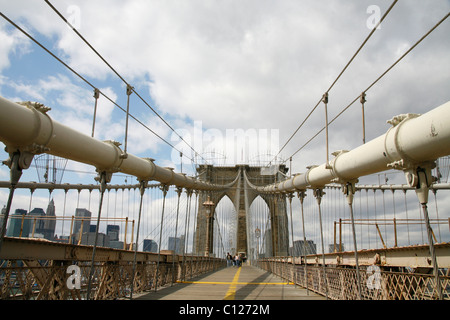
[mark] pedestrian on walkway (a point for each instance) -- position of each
(238, 262)
(229, 260)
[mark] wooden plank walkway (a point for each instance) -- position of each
(232, 283)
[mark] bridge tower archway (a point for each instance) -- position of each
(242, 197)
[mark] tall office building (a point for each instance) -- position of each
(299, 248)
(15, 224)
(2, 214)
(176, 244)
(113, 232)
(82, 219)
(37, 223)
(150, 245)
(49, 224)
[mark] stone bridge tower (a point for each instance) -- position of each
(242, 197)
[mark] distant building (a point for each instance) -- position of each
(36, 222)
(176, 244)
(2, 214)
(113, 232)
(49, 224)
(150, 245)
(115, 244)
(299, 248)
(15, 224)
(82, 218)
(88, 238)
(331, 247)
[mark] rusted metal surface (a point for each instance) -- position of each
(386, 274)
(38, 269)
(417, 256)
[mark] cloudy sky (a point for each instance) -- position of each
(235, 79)
(221, 71)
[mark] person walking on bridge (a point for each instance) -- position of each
(229, 260)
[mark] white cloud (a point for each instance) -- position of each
(256, 64)
(12, 43)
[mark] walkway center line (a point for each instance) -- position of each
(231, 293)
(239, 283)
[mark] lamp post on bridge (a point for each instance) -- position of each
(257, 235)
(208, 204)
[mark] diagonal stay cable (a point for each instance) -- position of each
(127, 84)
(340, 74)
(376, 80)
(85, 80)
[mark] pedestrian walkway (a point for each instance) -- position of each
(233, 283)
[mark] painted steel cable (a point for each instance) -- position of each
(86, 81)
(374, 82)
(126, 83)
(340, 74)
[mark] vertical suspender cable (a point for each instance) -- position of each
(164, 189)
(96, 96)
(64, 211)
(318, 193)
(362, 99)
(129, 92)
(290, 195)
(325, 101)
(179, 191)
(15, 174)
(301, 195)
(102, 192)
(142, 186)
(350, 191)
(186, 230)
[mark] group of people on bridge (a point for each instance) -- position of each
(236, 260)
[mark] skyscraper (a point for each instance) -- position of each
(37, 223)
(113, 232)
(82, 220)
(176, 244)
(150, 245)
(49, 224)
(15, 224)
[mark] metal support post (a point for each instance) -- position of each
(142, 186)
(301, 196)
(362, 99)
(179, 191)
(186, 231)
(164, 189)
(124, 155)
(325, 101)
(294, 277)
(424, 180)
(318, 193)
(96, 96)
(15, 174)
(103, 180)
(349, 191)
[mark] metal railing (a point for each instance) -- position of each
(377, 282)
(44, 270)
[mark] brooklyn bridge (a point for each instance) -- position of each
(369, 222)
